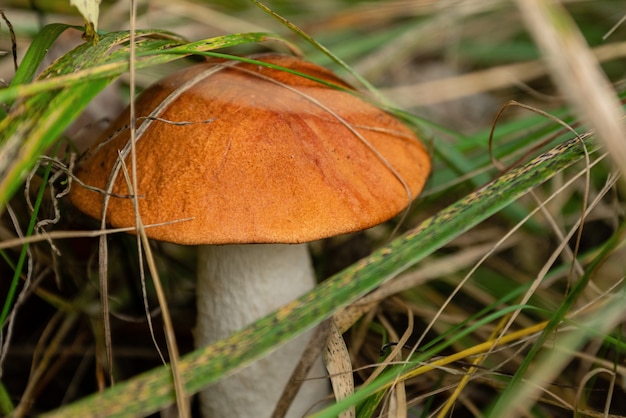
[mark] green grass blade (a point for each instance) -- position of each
(49, 105)
(24, 252)
(6, 405)
(36, 52)
(148, 54)
(510, 395)
(153, 390)
(29, 138)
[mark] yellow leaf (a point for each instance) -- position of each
(90, 10)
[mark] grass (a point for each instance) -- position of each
(504, 288)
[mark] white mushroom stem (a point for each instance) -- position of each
(238, 284)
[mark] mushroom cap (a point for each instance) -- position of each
(254, 155)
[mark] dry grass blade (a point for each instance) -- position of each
(13, 39)
(337, 360)
(182, 400)
(576, 72)
(436, 268)
(11, 242)
(550, 367)
(52, 349)
(396, 403)
(456, 87)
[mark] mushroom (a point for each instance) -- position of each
(260, 161)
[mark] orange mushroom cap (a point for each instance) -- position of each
(255, 155)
